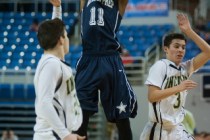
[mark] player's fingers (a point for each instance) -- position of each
(80, 137)
(191, 87)
(55, 2)
(192, 84)
(52, 1)
(180, 15)
(190, 81)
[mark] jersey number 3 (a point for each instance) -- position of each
(100, 20)
(177, 105)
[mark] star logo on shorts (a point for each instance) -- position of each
(121, 108)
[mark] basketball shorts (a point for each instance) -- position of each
(104, 72)
(154, 131)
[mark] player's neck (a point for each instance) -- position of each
(57, 53)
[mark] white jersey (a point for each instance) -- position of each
(165, 74)
(57, 107)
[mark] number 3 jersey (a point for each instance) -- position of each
(100, 20)
(56, 104)
(165, 74)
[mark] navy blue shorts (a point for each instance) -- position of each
(105, 73)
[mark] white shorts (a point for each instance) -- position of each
(153, 131)
(48, 135)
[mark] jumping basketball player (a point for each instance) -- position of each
(100, 67)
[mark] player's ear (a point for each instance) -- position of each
(165, 48)
(61, 40)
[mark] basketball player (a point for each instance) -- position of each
(100, 68)
(168, 82)
(57, 108)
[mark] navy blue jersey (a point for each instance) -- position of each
(100, 22)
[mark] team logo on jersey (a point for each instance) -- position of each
(121, 108)
(175, 80)
(109, 3)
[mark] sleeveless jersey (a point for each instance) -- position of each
(100, 20)
(165, 74)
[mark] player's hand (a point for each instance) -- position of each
(187, 84)
(74, 137)
(56, 3)
(183, 23)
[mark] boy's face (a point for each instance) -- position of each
(175, 51)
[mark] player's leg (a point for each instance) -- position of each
(117, 97)
(124, 129)
(87, 92)
(82, 131)
(125, 98)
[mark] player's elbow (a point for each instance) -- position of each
(153, 93)
(151, 98)
(208, 55)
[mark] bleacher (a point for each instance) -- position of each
(17, 109)
(137, 39)
(19, 46)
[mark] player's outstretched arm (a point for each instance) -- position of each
(82, 3)
(122, 6)
(185, 27)
(57, 10)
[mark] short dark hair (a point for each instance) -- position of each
(49, 33)
(169, 37)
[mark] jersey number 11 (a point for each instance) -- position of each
(100, 20)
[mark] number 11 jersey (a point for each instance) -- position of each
(99, 25)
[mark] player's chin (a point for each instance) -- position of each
(66, 50)
(179, 59)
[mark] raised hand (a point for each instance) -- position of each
(183, 22)
(56, 3)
